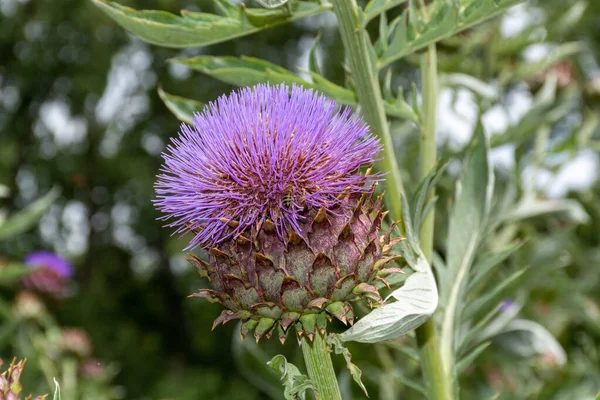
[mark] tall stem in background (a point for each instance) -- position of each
(368, 91)
(366, 82)
(320, 369)
(438, 381)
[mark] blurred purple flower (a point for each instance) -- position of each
(51, 275)
(262, 153)
(506, 305)
(48, 259)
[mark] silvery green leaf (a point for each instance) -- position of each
(480, 88)
(528, 338)
(184, 109)
(468, 217)
(415, 303)
(507, 314)
(531, 208)
(485, 264)
(492, 296)
(446, 18)
(295, 383)
(56, 391)
(271, 3)
(463, 363)
(377, 7)
(194, 29)
(28, 217)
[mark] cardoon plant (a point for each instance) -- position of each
(270, 181)
(275, 187)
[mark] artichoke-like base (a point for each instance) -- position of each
(303, 281)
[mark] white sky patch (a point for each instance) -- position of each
(456, 117)
(125, 101)
(518, 18)
(66, 129)
(518, 103)
(75, 229)
(576, 175)
(537, 52)
(304, 45)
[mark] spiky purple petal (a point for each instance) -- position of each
(265, 152)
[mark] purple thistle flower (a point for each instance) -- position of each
(262, 153)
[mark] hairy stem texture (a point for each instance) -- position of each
(437, 380)
(366, 82)
(320, 369)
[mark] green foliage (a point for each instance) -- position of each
(537, 251)
(56, 391)
(28, 217)
(417, 299)
(195, 29)
(184, 109)
(296, 384)
(334, 341)
(413, 31)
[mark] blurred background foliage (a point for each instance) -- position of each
(79, 110)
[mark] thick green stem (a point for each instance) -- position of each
(366, 82)
(438, 381)
(320, 369)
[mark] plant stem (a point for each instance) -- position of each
(438, 381)
(366, 82)
(320, 369)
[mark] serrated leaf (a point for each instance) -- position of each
(28, 217)
(414, 33)
(248, 71)
(194, 29)
(184, 109)
(528, 338)
(334, 341)
(467, 223)
(295, 383)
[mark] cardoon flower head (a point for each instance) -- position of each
(52, 273)
(269, 181)
(262, 154)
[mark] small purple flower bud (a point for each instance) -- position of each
(52, 273)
